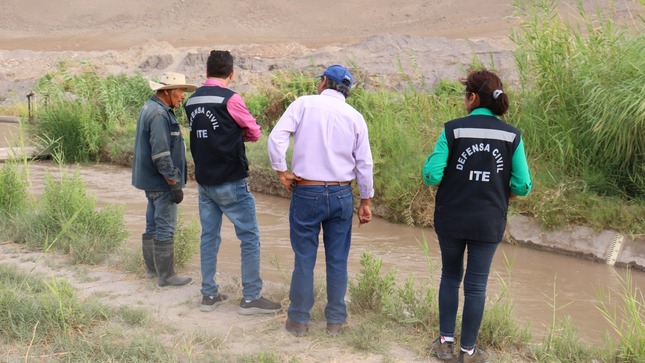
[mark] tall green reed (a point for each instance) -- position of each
(581, 94)
(13, 194)
(627, 320)
(88, 115)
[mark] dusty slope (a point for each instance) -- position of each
(435, 39)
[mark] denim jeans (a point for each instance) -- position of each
(161, 215)
(233, 199)
(331, 207)
(480, 257)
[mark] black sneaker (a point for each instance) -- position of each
(209, 303)
(443, 351)
(259, 306)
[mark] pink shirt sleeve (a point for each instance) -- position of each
(237, 108)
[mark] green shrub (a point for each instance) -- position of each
(370, 289)
(414, 304)
(186, 240)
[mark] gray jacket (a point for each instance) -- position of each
(159, 148)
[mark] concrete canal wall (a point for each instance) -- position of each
(605, 246)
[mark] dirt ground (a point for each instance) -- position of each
(426, 39)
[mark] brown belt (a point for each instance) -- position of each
(317, 182)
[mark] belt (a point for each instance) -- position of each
(319, 183)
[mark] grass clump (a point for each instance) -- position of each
(42, 319)
(267, 357)
(13, 195)
(562, 344)
(72, 128)
(88, 235)
(64, 218)
(40, 310)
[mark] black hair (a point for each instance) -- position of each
(342, 88)
(487, 85)
(219, 64)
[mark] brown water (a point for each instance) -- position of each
(536, 277)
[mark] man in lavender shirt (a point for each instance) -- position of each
(219, 125)
(331, 148)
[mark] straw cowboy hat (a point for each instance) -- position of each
(172, 80)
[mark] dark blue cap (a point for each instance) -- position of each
(339, 74)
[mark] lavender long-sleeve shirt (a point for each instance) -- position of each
(330, 141)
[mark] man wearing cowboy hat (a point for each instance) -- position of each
(159, 168)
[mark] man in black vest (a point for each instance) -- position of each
(219, 125)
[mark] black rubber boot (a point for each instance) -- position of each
(164, 253)
(147, 246)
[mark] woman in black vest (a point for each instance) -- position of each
(478, 164)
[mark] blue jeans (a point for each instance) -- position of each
(480, 257)
(161, 215)
(331, 207)
(233, 199)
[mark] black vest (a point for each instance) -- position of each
(472, 199)
(216, 140)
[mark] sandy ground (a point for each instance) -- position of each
(426, 39)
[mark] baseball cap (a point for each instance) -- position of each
(338, 74)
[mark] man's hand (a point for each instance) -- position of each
(364, 212)
(177, 194)
(287, 179)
